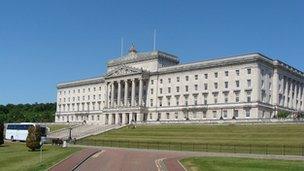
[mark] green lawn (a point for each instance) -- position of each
(16, 156)
(240, 164)
(270, 139)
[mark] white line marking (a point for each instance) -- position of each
(98, 154)
(158, 163)
(181, 165)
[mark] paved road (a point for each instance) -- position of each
(118, 159)
(126, 160)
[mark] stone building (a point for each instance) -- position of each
(155, 87)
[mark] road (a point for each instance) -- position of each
(120, 159)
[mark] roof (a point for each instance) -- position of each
(94, 80)
(142, 56)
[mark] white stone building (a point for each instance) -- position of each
(154, 87)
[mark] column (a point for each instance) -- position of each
(123, 119)
(140, 92)
(107, 96)
(290, 94)
(302, 98)
(295, 96)
(112, 94)
(133, 93)
(285, 91)
(130, 117)
(275, 91)
(119, 93)
(126, 92)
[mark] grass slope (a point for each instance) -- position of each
(16, 156)
(54, 127)
(240, 164)
(214, 134)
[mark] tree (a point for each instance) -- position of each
(283, 114)
(1, 133)
(34, 137)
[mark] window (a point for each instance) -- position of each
(160, 102)
(215, 85)
(206, 86)
(94, 88)
(196, 77)
(195, 87)
(186, 100)
(237, 97)
(151, 115)
(169, 101)
(177, 89)
(161, 81)
(195, 100)
(176, 115)
(263, 83)
(237, 72)
(168, 115)
(237, 83)
(169, 80)
(98, 117)
(226, 98)
(205, 99)
(225, 113)
(247, 113)
(160, 91)
(216, 74)
(187, 78)
(214, 114)
(204, 114)
(226, 73)
(226, 84)
(249, 71)
(151, 102)
(89, 89)
(152, 82)
(169, 89)
(194, 114)
(177, 79)
(151, 90)
(92, 117)
(206, 76)
(236, 113)
(215, 99)
(186, 88)
(248, 83)
(177, 101)
(248, 96)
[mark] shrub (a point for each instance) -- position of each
(1, 133)
(33, 138)
(283, 114)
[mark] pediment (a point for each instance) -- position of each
(124, 71)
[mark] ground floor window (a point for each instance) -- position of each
(214, 114)
(204, 114)
(236, 113)
(247, 113)
(168, 115)
(176, 115)
(150, 115)
(225, 113)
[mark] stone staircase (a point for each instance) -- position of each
(82, 131)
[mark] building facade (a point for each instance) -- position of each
(155, 87)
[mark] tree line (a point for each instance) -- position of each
(37, 112)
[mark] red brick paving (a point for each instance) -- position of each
(74, 160)
(172, 164)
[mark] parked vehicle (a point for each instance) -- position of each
(19, 131)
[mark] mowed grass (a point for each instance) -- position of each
(240, 164)
(273, 134)
(16, 156)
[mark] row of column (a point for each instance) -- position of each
(122, 118)
(289, 85)
(115, 87)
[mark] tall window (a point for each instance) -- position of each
(226, 84)
(195, 87)
(160, 90)
(206, 86)
(237, 97)
(247, 113)
(214, 114)
(225, 113)
(186, 100)
(186, 88)
(237, 83)
(226, 73)
(196, 77)
(177, 79)
(169, 89)
(177, 89)
(169, 80)
(195, 100)
(237, 72)
(249, 83)
(215, 85)
(249, 71)
(206, 76)
(187, 78)
(236, 113)
(216, 74)
(161, 81)
(226, 98)
(177, 100)
(151, 90)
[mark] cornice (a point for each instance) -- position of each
(83, 82)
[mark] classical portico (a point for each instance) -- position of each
(126, 91)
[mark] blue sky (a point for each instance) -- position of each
(46, 42)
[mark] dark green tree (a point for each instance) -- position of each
(33, 138)
(1, 133)
(283, 114)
